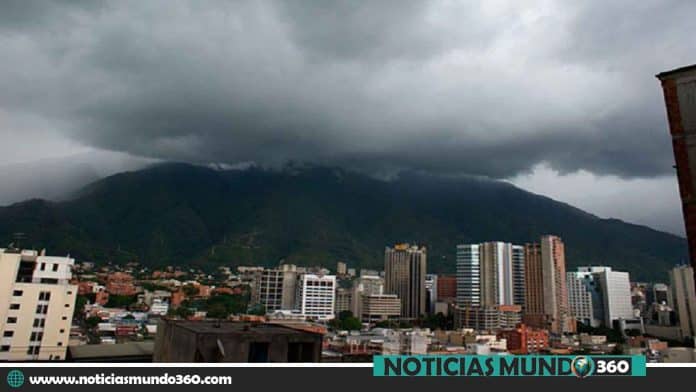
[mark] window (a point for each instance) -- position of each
(8, 334)
(36, 336)
(45, 296)
(33, 350)
(41, 309)
(4, 349)
(258, 352)
(39, 323)
(55, 267)
(67, 305)
(64, 318)
(60, 344)
(62, 331)
(12, 320)
(14, 306)
(17, 293)
(43, 266)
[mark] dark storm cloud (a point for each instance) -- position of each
(490, 88)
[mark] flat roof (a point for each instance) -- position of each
(234, 327)
(676, 71)
(131, 349)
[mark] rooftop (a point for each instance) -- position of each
(233, 327)
(113, 351)
(676, 71)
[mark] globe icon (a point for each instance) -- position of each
(15, 378)
(581, 367)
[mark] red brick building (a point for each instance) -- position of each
(120, 283)
(525, 340)
(446, 288)
(176, 299)
(679, 88)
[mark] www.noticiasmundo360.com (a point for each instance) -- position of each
(113, 379)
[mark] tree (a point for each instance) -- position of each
(93, 321)
(121, 301)
(190, 290)
(258, 310)
(345, 321)
(80, 302)
(218, 311)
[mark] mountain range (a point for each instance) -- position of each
(180, 214)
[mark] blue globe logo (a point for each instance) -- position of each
(581, 366)
(15, 378)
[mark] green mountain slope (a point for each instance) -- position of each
(179, 214)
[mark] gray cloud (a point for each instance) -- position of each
(489, 88)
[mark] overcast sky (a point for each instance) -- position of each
(558, 97)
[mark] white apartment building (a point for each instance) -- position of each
(580, 293)
(36, 305)
(316, 296)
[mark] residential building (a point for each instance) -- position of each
(684, 296)
(36, 305)
(120, 283)
(316, 296)
(525, 340)
(546, 304)
(404, 275)
(341, 268)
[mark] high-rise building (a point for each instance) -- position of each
(580, 301)
(490, 285)
(546, 304)
(600, 296)
(404, 275)
(616, 295)
(684, 297)
(430, 292)
(275, 288)
(679, 88)
(36, 305)
(490, 274)
(344, 300)
(446, 288)
(316, 296)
